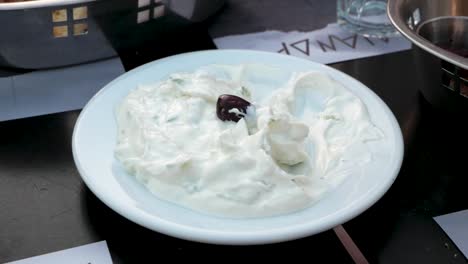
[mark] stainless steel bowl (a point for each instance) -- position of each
(408, 16)
(439, 31)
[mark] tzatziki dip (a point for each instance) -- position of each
(211, 141)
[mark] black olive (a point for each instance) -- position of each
(226, 103)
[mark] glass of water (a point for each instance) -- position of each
(365, 17)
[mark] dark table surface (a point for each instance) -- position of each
(45, 206)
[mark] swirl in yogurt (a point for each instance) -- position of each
(305, 137)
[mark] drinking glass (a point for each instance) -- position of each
(365, 17)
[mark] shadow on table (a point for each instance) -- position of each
(131, 243)
(399, 228)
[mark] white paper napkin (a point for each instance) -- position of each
(455, 225)
(57, 90)
(96, 253)
(327, 45)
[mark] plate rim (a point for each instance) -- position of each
(267, 236)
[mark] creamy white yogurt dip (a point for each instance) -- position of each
(293, 145)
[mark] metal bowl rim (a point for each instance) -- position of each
(401, 26)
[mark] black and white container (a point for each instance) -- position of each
(43, 34)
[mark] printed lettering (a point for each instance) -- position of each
(331, 45)
(370, 41)
(305, 50)
(284, 49)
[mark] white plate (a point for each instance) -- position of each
(95, 136)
